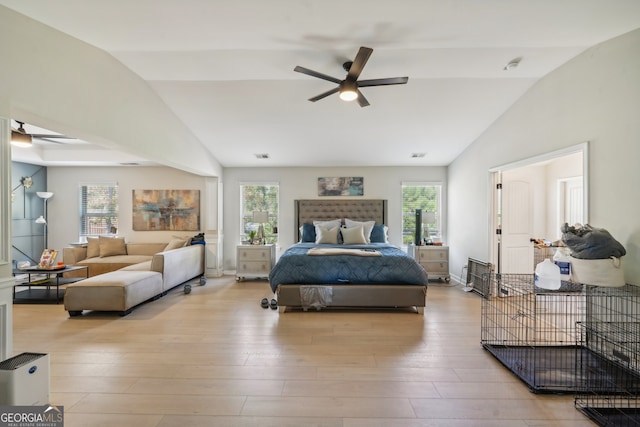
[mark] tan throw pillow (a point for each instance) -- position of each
(111, 246)
(367, 226)
(353, 236)
(175, 244)
(93, 247)
(327, 235)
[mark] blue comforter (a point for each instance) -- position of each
(393, 267)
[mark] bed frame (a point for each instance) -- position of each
(351, 296)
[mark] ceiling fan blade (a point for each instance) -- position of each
(47, 139)
(324, 95)
(309, 72)
(51, 136)
(358, 64)
(362, 100)
(383, 82)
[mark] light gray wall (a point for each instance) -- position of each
(59, 83)
(302, 183)
(64, 208)
(596, 98)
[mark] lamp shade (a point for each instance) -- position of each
(41, 220)
(44, 194)
(260, 217)
(429, 218)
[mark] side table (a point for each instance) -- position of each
(48, 281)
(255, 261)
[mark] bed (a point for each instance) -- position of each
(344, 274)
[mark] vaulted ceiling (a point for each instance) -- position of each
(226, 68)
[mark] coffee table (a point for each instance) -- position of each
(51, 278)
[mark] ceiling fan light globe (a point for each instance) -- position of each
(20, 139)
(348, 95)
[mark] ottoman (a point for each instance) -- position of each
(114, 291)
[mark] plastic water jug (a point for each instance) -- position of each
(561, 259)
(547, 275)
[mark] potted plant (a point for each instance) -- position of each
(252, 235)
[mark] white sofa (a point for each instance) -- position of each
(123, 284)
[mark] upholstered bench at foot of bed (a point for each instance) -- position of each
(115, 291)
(354, 296)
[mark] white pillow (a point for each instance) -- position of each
(327, 224)
(353, 236)
(367, 226)
(327, 235)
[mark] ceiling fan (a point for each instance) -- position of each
(23, 137)
(349, 87)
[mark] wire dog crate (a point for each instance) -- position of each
(532, 331)
(608, 393)
(477, 276)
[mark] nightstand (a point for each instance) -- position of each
(255, 261)
(435, 260)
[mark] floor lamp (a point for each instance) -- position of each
(42, 219)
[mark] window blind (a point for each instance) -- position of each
(98, 209)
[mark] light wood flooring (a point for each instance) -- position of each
(216, 358)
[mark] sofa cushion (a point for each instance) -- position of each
(99, 265)
(93, 247)
(141, 266)
(175, 244)
(114, 291)
(111, 246)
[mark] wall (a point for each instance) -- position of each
(64, 207)
(27, 237)
(90, 95)
(301, 183)
(595, 97)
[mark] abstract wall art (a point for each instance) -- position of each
(341, 186)
(164, 210)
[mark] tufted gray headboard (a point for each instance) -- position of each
(306, 211)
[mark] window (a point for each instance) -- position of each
(98, 209)
(425, 196)
(259, 197)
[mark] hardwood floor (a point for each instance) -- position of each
(216, 358)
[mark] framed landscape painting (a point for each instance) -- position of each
(341, 186)
(164, 210)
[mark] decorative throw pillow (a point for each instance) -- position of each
(327, 224)
(175, 244)
(367, 226)
(307, 233)
(111, 246)
(353, 236)
(93, 247)
(327, 235)
(379, 234)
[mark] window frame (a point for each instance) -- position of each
(110, 215)
(436, 231)
(271, 227)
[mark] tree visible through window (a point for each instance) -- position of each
(98, 209)
(259, 198)
(423, 196)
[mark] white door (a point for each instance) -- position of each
(517, 224)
